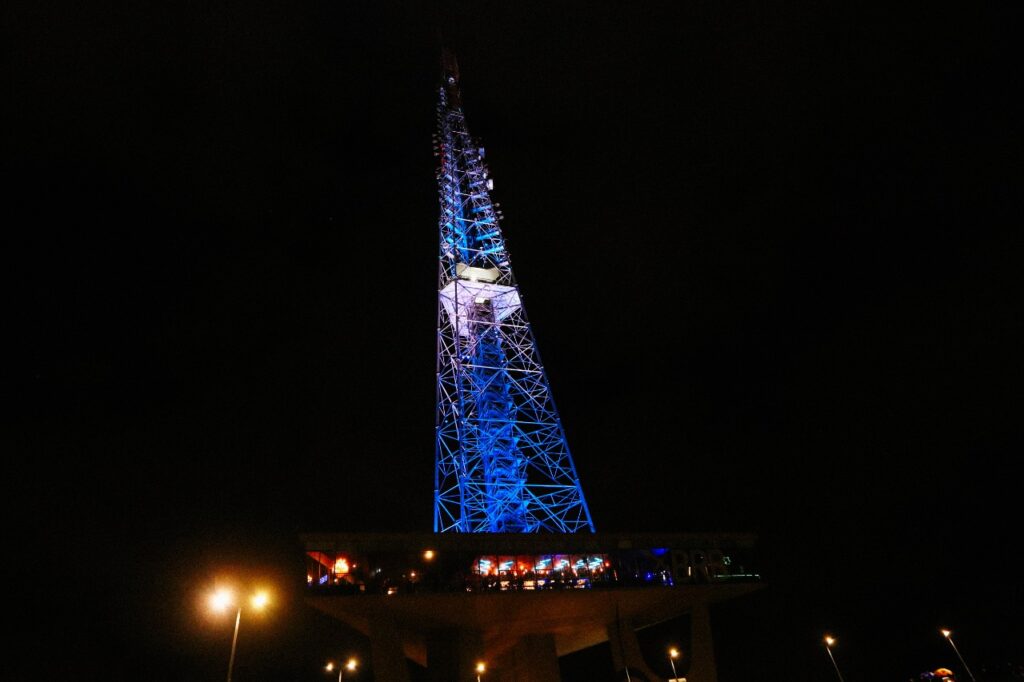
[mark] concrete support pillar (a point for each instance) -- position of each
(533, 659)
(626, 649)
(702, 651)
(452, 655)
(386, 651)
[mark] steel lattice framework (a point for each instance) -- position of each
(502, 461)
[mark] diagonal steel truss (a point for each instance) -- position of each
(502, 463)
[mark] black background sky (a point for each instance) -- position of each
(770, 254)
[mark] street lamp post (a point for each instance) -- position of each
(829, 641)
(224, 598)
(673, 654)
(234, 643)
(948, 634)
(350, 666)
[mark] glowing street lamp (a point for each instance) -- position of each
(829, 641)
(224, 598)
(948, 634)
(481, 668)
(259, 600)
(673, 654)
(350, 666)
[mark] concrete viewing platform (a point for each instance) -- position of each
(520, 601)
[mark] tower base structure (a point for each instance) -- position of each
(518, 602)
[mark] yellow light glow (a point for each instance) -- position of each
(329, 667)
(481, 667)
(351, 665)
(341, 566)
(260, 599)
(221, 599)
(428, 555)
(946, 633)
(829, 640)
(673, 652)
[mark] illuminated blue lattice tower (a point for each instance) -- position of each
(502, 461)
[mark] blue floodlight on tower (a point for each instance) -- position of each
(502, 462)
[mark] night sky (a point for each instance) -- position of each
(771, 257)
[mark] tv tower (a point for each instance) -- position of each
(505, 583)
(502, 463)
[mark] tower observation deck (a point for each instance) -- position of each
(502, 463)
